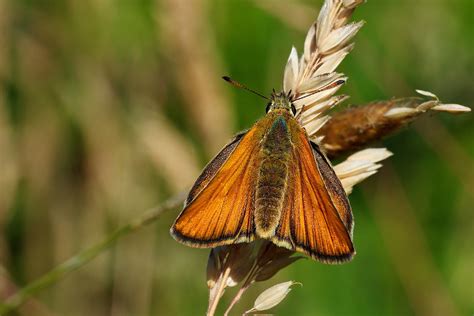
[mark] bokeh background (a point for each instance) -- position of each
(108, 107)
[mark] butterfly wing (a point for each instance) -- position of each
(334, 187)
(219, 208)
(212, 167)
(316, 218)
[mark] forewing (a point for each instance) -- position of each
(212, 167)
(219, 208)
(310, 221)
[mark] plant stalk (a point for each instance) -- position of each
(220, 291)
(77, 261)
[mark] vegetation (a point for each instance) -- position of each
(107, 108)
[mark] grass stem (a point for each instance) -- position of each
(83, 257)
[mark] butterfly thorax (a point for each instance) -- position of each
(274, 158)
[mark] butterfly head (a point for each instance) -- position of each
(281, 100)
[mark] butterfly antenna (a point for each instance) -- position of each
(329, 86)
(241, 86)
(310, 93)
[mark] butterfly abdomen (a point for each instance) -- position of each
(272, 177)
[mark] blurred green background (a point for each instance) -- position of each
(107, 107)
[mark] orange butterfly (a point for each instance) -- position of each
(270, 182)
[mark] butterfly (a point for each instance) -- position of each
(270, 182)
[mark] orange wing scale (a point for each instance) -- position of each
(222, 213)
(310, 221)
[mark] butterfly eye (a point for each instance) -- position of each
(268, 107)
(293, 109)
